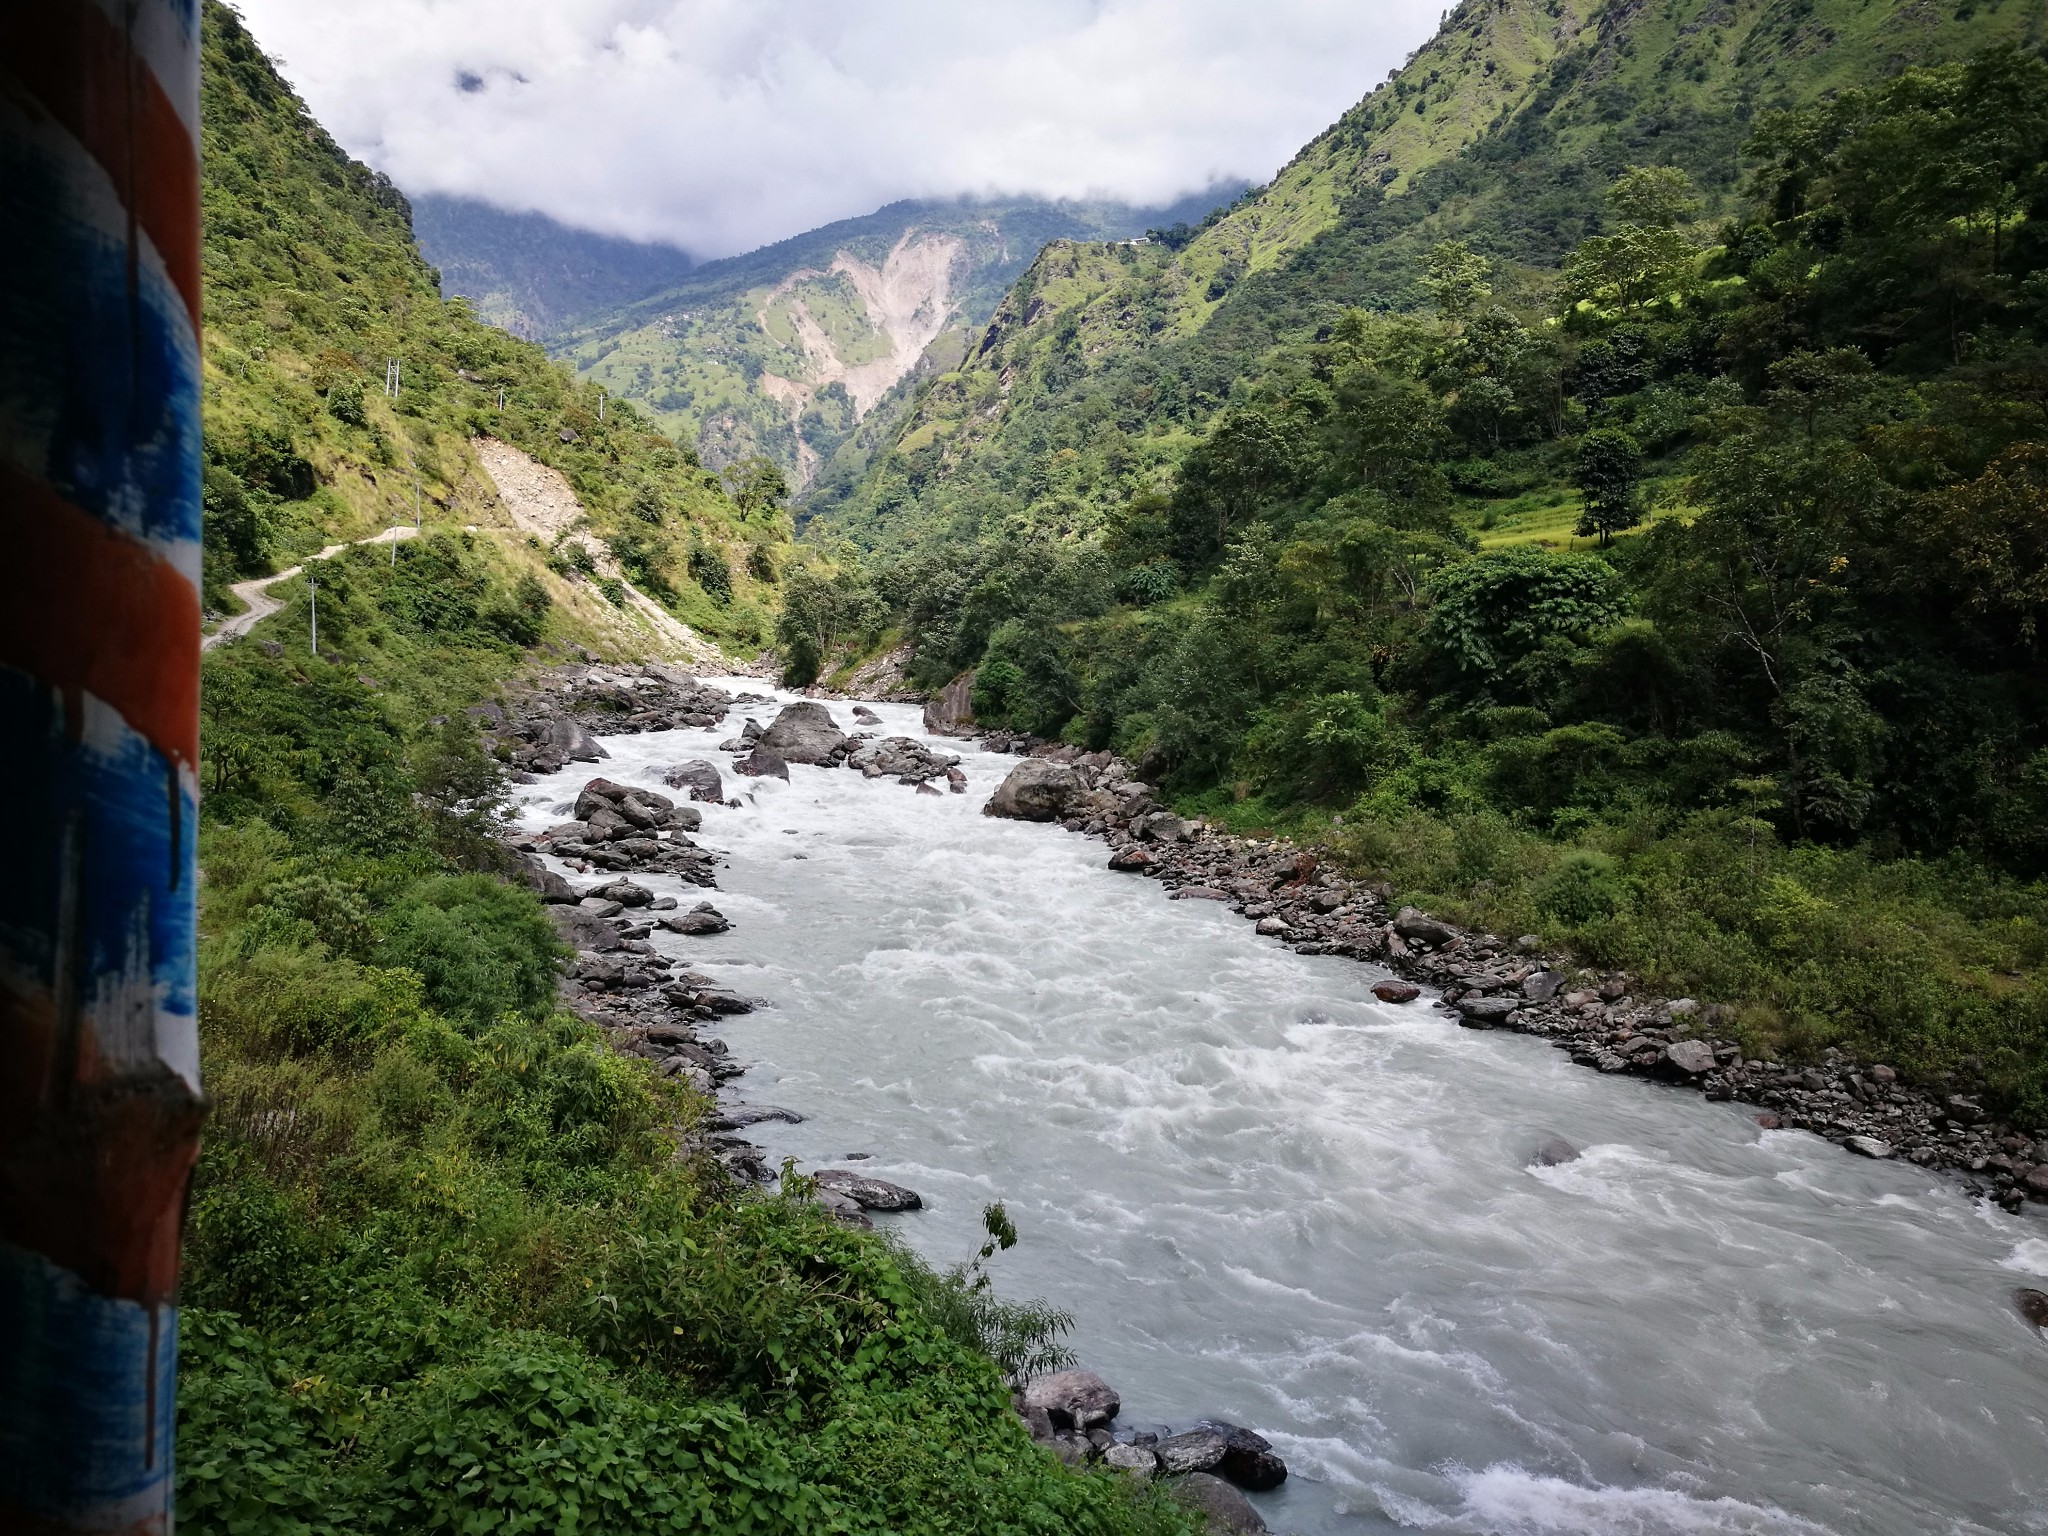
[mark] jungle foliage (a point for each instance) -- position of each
(451, 1265)
(1762, 713)
(314, 291)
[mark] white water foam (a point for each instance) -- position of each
(1269, 1197)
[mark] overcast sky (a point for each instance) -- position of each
(721, 125)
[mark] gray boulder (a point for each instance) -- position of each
(804, 733)
(1073, 1399)
(762, 764)
(1224, 1510)
(573, 741)
(686, 818)
(1869, 1146)
(952, 711)
(624, 892)
(700, 919)
(1196, 1451)
(873, 1194)
(584, 930)
(1687, 1058)
(1486, 1012)
(698, 777)
(1134, 1461)
(1551, 1151)
(1542, 987)
(1392, 989)
(1037, 789)
(601, 906)
(1161, 827)
(1248, 1458)
(548, 885)
(1422, 928)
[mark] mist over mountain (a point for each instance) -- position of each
(531, 274)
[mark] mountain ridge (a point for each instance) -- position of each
(782, 352)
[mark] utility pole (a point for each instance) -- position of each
(313, 609)
(391, 378)
(100, 1106)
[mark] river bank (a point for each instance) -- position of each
(1605, 1020)
(1269, 1196)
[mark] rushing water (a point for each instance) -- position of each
(1270, 1198)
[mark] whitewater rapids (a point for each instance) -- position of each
(1270, 1198)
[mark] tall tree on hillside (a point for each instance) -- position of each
(1606, 468)
(1648, 255)
(1249, 459)
(1455, 281)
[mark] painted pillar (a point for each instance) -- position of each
(99, 740)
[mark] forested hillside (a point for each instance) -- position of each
(786, 351)
(1598, 485)
(313, 287)
(451, 1263)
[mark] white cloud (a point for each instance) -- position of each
(721, 125)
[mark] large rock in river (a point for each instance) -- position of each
(1037, 789)
(698, 777)
(1223, 1509)
(873, 1194)
(1076, 1399)
(951, 712)
(804, 733)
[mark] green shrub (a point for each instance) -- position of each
(482, 948)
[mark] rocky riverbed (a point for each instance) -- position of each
(1396, 1246)
(1606, 1021)
(653, 1008)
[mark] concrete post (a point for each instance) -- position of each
(99, 693)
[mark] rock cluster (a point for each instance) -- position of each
(556, 719)
(1072, 1411)
(804, 732)
(622, 828)
(1605, 1020)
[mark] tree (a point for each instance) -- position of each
(1493, 616)
(1653, 197)
(1248, 460)
(1606, 469)
(1648, 255)
(755, 484)
(1455, 280)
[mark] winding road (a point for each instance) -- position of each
(257, 593)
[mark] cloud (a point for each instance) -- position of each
(721, 125)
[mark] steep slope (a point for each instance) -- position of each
(1627, 524)
(1503, 130)
(784, 351)
(455, 1257)
(530, 274)
(314, 292)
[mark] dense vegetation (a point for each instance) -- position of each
(1631, 531)
(313, 286)
(451, 1263)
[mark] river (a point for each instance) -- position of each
(1267, 1197)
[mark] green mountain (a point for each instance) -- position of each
(530, 274)
(1595, 487)
(784, 351)
(314, 286)
(1503, 131)
(452, 1261)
